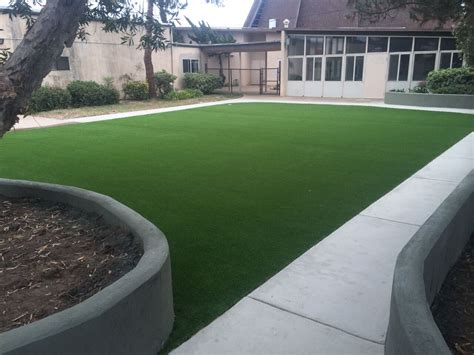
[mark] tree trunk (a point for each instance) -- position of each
(221, 69)
(55, 28)
(149, 71)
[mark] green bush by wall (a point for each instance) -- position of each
(49, 98)
(89, 93)
(206, 83)
(452, 81)
(136, 90)
(164, 83)
(184, 94)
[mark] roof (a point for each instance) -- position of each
(222, 48)
(331, 15)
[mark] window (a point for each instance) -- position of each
(314, 45)
(334, 45)
(424, 63)
(61, 64)
(450, 60)
(354, 68)
(401, 44)
(2, 41)
(356, 44)
(296, 45)
(398, 67)
(313, 69)
(378, 44)
(190, 65)
(333, 69)
(426, 44)
(295, 69)
(448, 44)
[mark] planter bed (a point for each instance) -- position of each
(124, 308)
(430, 100)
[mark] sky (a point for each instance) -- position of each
(231, 15)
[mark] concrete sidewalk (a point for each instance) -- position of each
(30, 122)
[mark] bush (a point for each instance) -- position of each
(184, 94)
(49, 98)
(420, 89)
(206, 83)
(452, 81)
(136, 90)
(89, 93)
(164, 83)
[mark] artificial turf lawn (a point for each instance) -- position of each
(239, 190)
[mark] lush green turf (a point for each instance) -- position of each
(239, 190)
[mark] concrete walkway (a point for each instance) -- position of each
(41, 122)
(335, 299)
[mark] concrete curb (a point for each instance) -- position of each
(430, 100)
(134, 315)
(420, 271)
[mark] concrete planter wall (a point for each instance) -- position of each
(134, 315)
(430, 100)
(420, 271)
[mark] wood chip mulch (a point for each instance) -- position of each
(453, 308)
(53, 256)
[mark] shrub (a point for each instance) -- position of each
(420, 89)
(184, 94)
(206, 83)
(164, 83)
(89, 93)
(49, 98)
(136, 90)
(452, 81)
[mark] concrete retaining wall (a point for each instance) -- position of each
(420, 271)
(430, 100)
(134, 315)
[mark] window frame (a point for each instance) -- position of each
(191, 62)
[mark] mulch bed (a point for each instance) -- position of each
(453, 308)
(53, 256)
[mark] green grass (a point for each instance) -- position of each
(239, 190)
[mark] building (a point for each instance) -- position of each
(312, 48)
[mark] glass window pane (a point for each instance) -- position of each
(309, 69)
(393, 68)
(334, 45)
(457, 60)
(334, 69)
(296, 45)
(356, 44)
(314, 45)
(318, 65)
(426, 44)
(424, 64)
(378, 44)
(295, 69)
(359, 69)
(186, 66)
(401, 44)
(195, 66)
(448, 44)
(445, 62)
(404, 66)
(349, 68)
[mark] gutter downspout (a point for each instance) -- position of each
(284, 64)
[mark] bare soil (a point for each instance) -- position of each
(53, 256)
(453, 308)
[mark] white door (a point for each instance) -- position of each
(375, 75)
(333, 76)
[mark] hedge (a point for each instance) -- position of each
(49, 98)
(164, 83)
(206, 83)
(136, 90)
(452, 81)
(89, 93)
(184, 94)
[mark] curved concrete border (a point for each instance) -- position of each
(430, 100)
(420, 271)
(134, 315)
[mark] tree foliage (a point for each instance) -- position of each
(458, 12)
